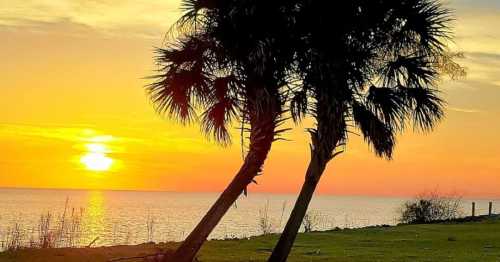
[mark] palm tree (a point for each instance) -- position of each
(229, 60)
(372, 65)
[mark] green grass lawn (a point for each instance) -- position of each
(471, 241)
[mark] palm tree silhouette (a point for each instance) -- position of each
(230, 62)
(372, 65)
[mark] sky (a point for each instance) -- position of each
(74, 113)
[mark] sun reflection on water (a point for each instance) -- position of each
(94, 220)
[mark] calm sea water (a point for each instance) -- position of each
(121, 217)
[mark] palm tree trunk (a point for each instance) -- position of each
(324, 140)
(284, 246)
(262, 134)
(188, 249)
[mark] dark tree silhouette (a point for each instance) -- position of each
(229, 61)
(368, 64)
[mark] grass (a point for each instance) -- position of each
(468, 241)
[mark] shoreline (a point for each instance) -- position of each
(442, 237)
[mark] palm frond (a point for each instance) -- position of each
(377, 133)
(427, 107)
(222, 110)
(182, 83)
(184, 50)
(298, 105)
(389, 105)
(192, 20)
(414, 71)
(216, 119)
(424, 25)
(172, 94)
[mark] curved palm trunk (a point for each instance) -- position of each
(313, 175)
(262, 132)
(323, 141)
(188, 249)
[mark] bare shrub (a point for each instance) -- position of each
(46, 236)
(73, 229)
(128, 236)
(311, 221)
(150, 223)
(265, 224)
(283, 208)
(13, 238)
(429, 207)
(65, 231)
(32, 242)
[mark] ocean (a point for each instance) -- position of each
(133, 217)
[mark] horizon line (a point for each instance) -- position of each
(483, 197)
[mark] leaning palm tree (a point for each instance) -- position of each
(368, 64)
(228, 61)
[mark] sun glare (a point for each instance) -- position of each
(96, 148)
(96, 159)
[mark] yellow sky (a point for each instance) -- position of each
(72, 74)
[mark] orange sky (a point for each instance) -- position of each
(72, 75)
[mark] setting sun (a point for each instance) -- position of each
(96, 159)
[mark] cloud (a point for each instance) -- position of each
(128, 17)
(71, 134)
(82, 134)
(477, 4)
(476, 26)
(64, 26)
(491, 58)
(463, 110)
(483, 67)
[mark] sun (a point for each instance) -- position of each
(96, 159)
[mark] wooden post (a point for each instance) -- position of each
(490, 209)
(473, 209)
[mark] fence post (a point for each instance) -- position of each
(473, 209)
(490, 209)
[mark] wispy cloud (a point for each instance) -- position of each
(483, 67)
(79, 135)
(71, 134)
(476, 26)
(128, 17)
(463, 110)
(477, 4)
